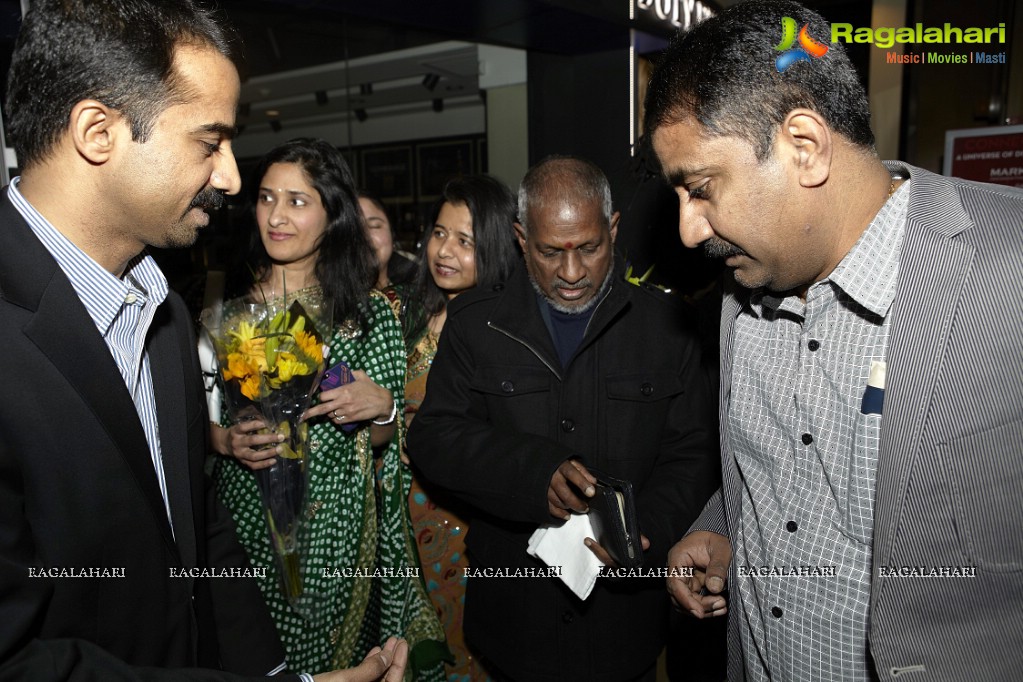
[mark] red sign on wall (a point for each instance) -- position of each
(986, 154)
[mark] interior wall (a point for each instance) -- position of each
(943, 97)
(503, 75)
(885, 91)
(580, 105)
(508, 133)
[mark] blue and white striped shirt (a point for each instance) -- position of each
(122, 310)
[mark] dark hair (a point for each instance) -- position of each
(400, 270)
(344, 266)
(557, 176)
(118, 52)
(492, 210)
(722, 72)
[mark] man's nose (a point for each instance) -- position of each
(693, 226)
(571, 269)
(225, 176)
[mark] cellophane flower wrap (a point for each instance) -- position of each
(271, 357)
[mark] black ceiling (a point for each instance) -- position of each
(281, 35)
(284, 35)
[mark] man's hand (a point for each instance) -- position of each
(708, 554)
(568, 481)
(602, 554)
(380, 665)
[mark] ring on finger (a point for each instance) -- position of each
(335, 416)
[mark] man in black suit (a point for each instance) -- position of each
(116, 562)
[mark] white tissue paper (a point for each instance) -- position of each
(562, 546)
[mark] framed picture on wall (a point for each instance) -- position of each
(387, 173)
(438, 162)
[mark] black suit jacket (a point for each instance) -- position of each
(78, 492)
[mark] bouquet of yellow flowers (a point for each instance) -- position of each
(271, 359)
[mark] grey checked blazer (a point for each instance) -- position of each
(949, 488)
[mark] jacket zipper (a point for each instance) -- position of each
(526, 344)
(597, 307)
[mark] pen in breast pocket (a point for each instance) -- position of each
(873, 395)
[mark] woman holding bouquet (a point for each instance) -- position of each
(471, 243)
(355, 544)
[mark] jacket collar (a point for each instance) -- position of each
(517, 313)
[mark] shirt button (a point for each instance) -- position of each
(507, 386)
(791, 526)
(807, 439)
(567, 425)
(814, 344)
(568, 616)
(130, 299)
(646, 389)
(776, 612)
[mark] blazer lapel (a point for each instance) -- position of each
(730, 480)
(729, 310)
(934, 266)
(169, 387)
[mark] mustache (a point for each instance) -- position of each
(718, 248)
(562, 284)
(209, 198)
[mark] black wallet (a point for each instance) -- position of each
(614, 522)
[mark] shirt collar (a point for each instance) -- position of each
(101, 292)
(868, 274)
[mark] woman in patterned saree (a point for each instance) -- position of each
(310, 244)
(471, 243)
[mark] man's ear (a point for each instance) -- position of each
(95, 130)
(520, 232)
(615, 217)
(806, 141)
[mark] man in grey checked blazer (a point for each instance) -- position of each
(869, 525)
